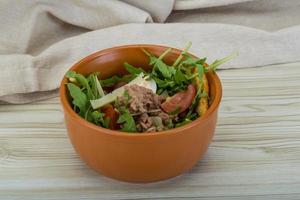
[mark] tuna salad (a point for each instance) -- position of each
(168, 96)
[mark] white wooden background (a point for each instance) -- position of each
(255, 153)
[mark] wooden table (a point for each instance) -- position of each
(255, 153)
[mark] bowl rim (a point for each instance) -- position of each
(67, 107)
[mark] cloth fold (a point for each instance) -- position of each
(40, 40)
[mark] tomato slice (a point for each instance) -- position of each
(111, 114)
(181, 100)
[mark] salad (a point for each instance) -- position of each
(166, 97)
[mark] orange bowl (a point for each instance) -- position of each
(137, 157)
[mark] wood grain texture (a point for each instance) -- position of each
(255, 153)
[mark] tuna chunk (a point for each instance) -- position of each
(144, 105)
(142, 99)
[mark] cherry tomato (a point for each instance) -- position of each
(111, 114)
(181, 100)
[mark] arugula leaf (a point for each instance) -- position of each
(106, 122)
(177, 61)
(159, 91)
(117, 102)
(79, 98)
(133, 70)
(98, 119)
(200, 70)
(184, 122)
(163, 83)
(127, 97)
(193, 116)
(70, 74)
(152, 60)
(170, 124)
(146, 52)
(92, 83)
(217, 63)
(109, 82)
(172, 70)
(127, 121)
(87, 115)
(179, 77)
(95, 85)
(159, 65)
(164, 53)
(128, 78)
(125, 118)
(162, 68)
(189, 77)
(192, 62)
(82, 82)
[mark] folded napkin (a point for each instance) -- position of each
(40, 40)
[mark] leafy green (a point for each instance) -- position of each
(127, 122)
(177, 61)
(190, 61)
(217, 63)
(84, 90)
(184, 122)
(87, 115)
(80, 99)
(169, 78)
(71, 74)
(127, 97)
(179, 77)
(163, 68)
(166, 52)
(95, 85)
(92, 82)
(117, 102)
(99, 119)
(125, 118)
(170, 124)
(163, 83)
(200, 70)
(109, 82)
(158, 64)
(106, 122)
(133, 70)
(82, 81)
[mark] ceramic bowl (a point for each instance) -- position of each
(135, 157)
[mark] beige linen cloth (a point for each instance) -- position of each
(41, 39)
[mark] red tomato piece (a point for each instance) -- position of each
(110, 113)
(181, 100)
